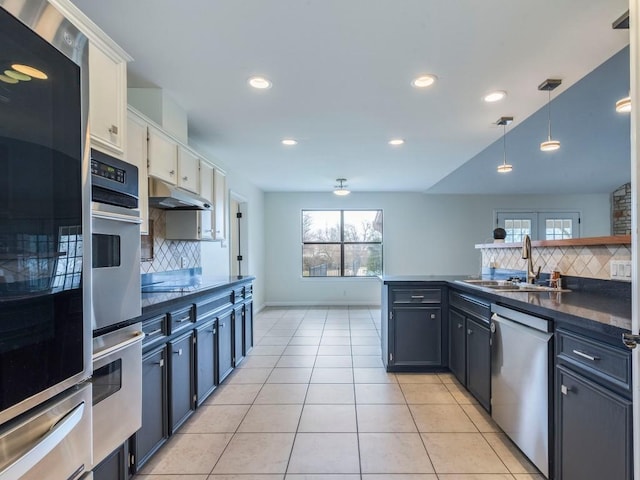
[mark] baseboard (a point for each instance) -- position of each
(321, 304)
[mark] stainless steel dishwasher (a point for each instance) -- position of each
(520, 381)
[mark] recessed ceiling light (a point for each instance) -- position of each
(424, 81)
(396, 141)
(289, 142)
(30, 71)
(494, 96)
(260, 83)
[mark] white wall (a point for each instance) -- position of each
(216, 255)
(423, 235)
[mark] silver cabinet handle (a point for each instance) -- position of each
(180, 320)
(154, 333)
(222, 325)
(459, 325)
(565, 390)
(135, 337)
(586, 355)
(433, 315)
(161, 363)
(44, 445)
(469, 331)
(113, 129)
(178, 352)
(417, 297)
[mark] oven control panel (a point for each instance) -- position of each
(107, 171)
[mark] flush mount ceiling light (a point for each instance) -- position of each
(495, 96)
(623, 105)
(341, 189)
(549, 84)
(396, 141)
(504, 167)
(289, 142)
(424, 81)
(261, 83)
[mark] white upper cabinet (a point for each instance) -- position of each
(219, 205)
(163, 156)
(137, 155)
(206, 181)
(188, 170)
(108, 100)
(107, 83)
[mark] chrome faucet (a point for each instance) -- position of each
(526, 254)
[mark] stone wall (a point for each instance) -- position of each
(621, 210)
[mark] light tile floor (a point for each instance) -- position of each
(312, 401)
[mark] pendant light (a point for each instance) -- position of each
(549, 84)
(504, 167)
(341, 189)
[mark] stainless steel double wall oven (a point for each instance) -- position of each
(45, 278)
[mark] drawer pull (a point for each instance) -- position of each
(433, 316)
(180, 320)
(586, 355)
(178, 352)
(469, 331)
(154, 333)
(417, 297)
(160, 363)
(565, 390)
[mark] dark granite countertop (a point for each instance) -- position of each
(181, 288)
(595, 309)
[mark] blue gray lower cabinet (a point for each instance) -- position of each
(114, 467)
(413, 337)
(189, 349)
(593, 409)
(182, 381)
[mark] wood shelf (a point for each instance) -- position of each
(571, 242)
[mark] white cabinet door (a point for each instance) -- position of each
(206, 181)
(137, 155)
(163, 156)
(108, 97)
(188, 170)
(219, 205)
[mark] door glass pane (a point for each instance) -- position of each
(362, 260)
(321, 226)
(321, 260)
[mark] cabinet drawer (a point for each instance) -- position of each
(476, 307)
(180, 319)
(155, 330)
(600, 360)
(416, 295)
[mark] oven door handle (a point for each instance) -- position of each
(137, 337)
(44, 445)
(118, 217)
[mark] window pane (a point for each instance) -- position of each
(320, 226)
(362, 260)
(363, 226)
(321, 260)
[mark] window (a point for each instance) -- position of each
(341, 243)
(539, 225)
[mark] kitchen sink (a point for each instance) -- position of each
(508, 286)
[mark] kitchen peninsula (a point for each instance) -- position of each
(435, 323)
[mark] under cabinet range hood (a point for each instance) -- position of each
(166, 197)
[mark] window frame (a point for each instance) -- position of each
(341, 243)
(538, 220)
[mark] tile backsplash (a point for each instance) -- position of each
(169, 254)
(577, 261)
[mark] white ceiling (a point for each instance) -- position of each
(341, 72)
